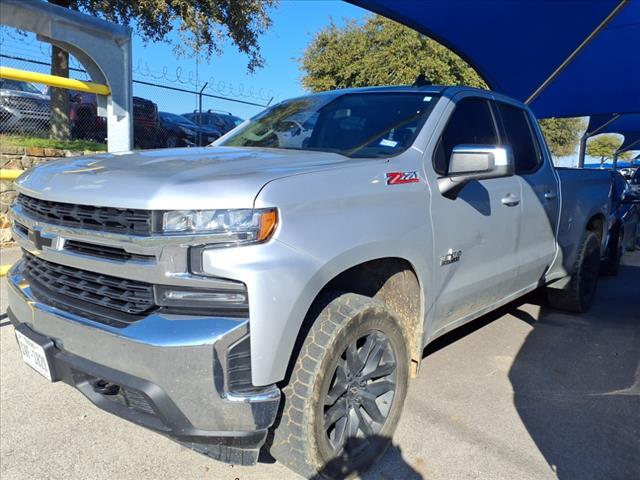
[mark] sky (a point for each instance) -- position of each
(294, 25)
(295, 22)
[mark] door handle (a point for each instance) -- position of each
(549, 195)
(510, 200)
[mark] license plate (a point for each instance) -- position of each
(34, 355)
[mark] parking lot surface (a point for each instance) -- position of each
(522, 393)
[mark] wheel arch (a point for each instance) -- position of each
(392, 280)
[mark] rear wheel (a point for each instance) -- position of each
(578, 295)
(346, 392)
(611, 265)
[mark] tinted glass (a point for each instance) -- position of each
(520, 137)
(376, 124)
(173, 118)
(470, 124)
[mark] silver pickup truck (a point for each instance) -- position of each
(276, 289)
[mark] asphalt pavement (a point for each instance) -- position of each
(522, 393)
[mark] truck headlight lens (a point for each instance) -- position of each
(233, 226)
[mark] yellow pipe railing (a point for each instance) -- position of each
(11, 175)
(54, 81)
(8, 174)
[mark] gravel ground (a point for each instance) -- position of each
(523, 393)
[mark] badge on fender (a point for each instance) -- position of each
(399, 178)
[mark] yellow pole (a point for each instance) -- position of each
(54, 81)
(8, 174)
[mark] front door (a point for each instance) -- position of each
(475, 234)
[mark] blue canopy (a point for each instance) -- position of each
(517, 45)
(626, 125)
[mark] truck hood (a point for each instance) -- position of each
(170, 179)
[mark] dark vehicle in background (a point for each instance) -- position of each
(222, 121)
(628, 172)
(623, 223)
(634, 180)
(86, 124)
(146, 124)
(179, 131)
(632, 216)
(23, 108)
(83, 117)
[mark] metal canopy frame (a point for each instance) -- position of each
(103, 48)
(627, 125)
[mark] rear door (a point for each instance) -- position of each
(475, 234)
(536, 247)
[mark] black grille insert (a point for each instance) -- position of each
(103, 251)
(108, 219)
(118, 294)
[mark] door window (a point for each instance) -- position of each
(471, 123)
(519, 135)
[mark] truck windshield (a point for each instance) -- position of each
(373, 124)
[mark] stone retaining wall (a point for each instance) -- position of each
(22, 158)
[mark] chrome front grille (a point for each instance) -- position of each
(107, 219)
(103, 291)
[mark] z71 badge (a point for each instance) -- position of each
(399, 178)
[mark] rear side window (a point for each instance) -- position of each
(471, 123)
(519, 135)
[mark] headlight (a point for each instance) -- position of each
(232, 226)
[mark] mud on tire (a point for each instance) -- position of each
(346, 391)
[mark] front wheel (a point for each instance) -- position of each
(346, 392)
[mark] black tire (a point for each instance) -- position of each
(611, 266)
(303, 440)
(579, 294)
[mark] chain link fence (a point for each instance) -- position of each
(25, 108)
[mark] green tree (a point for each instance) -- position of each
(379, 52)
(202, 25)
(604, 146)
(562, 134)
(383, 52)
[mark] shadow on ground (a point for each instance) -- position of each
(576, 383)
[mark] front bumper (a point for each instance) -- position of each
(166, 372)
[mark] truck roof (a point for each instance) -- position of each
(434, 89)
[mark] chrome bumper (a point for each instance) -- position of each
(177, 362)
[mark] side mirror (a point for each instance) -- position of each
(475, 162)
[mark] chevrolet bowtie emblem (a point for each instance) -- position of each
(38, 240)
